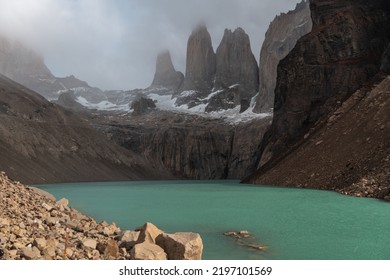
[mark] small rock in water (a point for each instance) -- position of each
(260, 247)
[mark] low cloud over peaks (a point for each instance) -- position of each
(113, 44)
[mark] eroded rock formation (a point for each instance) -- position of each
(201, 63)
(280, 39)
(166, 76)
(236, 64)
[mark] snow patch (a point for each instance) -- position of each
(103, 106)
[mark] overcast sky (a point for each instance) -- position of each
(113, 44)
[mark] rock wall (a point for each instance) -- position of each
(281, 37)
(189, 146)
(343, 51)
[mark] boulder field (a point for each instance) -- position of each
(34, 226)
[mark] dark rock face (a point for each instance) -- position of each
(166, 76)
(43, 143)
(142, 105)
(201, 63)
(343, 51)
(190, 146)
(385, 66)
(236, 64)
(281, 37)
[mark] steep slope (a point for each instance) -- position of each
(41, 142)
(281, 37)
(348, 152)
(345, 51)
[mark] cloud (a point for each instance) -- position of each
(113, 44)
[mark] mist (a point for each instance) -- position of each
(113, 44)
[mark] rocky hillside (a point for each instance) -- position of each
(345, 52)
(34, 226)
(281, 37)
(42, 142)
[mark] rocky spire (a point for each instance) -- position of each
(166, 76)
(201, 65)
(236, 63)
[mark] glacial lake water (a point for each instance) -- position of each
(293, 223)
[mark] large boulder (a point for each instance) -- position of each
(147, 251)
(148, 233)
(128, 239)
(181, 245)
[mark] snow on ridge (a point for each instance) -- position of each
(167, 103)
(103, 105)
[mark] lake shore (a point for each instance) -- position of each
(34, 226)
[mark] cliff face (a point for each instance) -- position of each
(281, 37)
(43, 143)
(166, 76)
(200, 65)
(343, 51)
(321, 136)
(189, 146)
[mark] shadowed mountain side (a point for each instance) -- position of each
(347, 152)
(44, 143)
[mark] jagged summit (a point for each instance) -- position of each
(166, 76)
(236, 63)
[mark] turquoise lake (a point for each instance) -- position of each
(293, 223)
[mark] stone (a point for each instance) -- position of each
(142, 105)
(148, 232)
(181, 245)
(257, 246)
(147, 251)
(112, 250)
(63, 202)
(31, 253)
(47, 206)
(90, 243)
(128, 239)
(40, 243)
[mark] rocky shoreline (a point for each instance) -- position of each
(34, 226)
